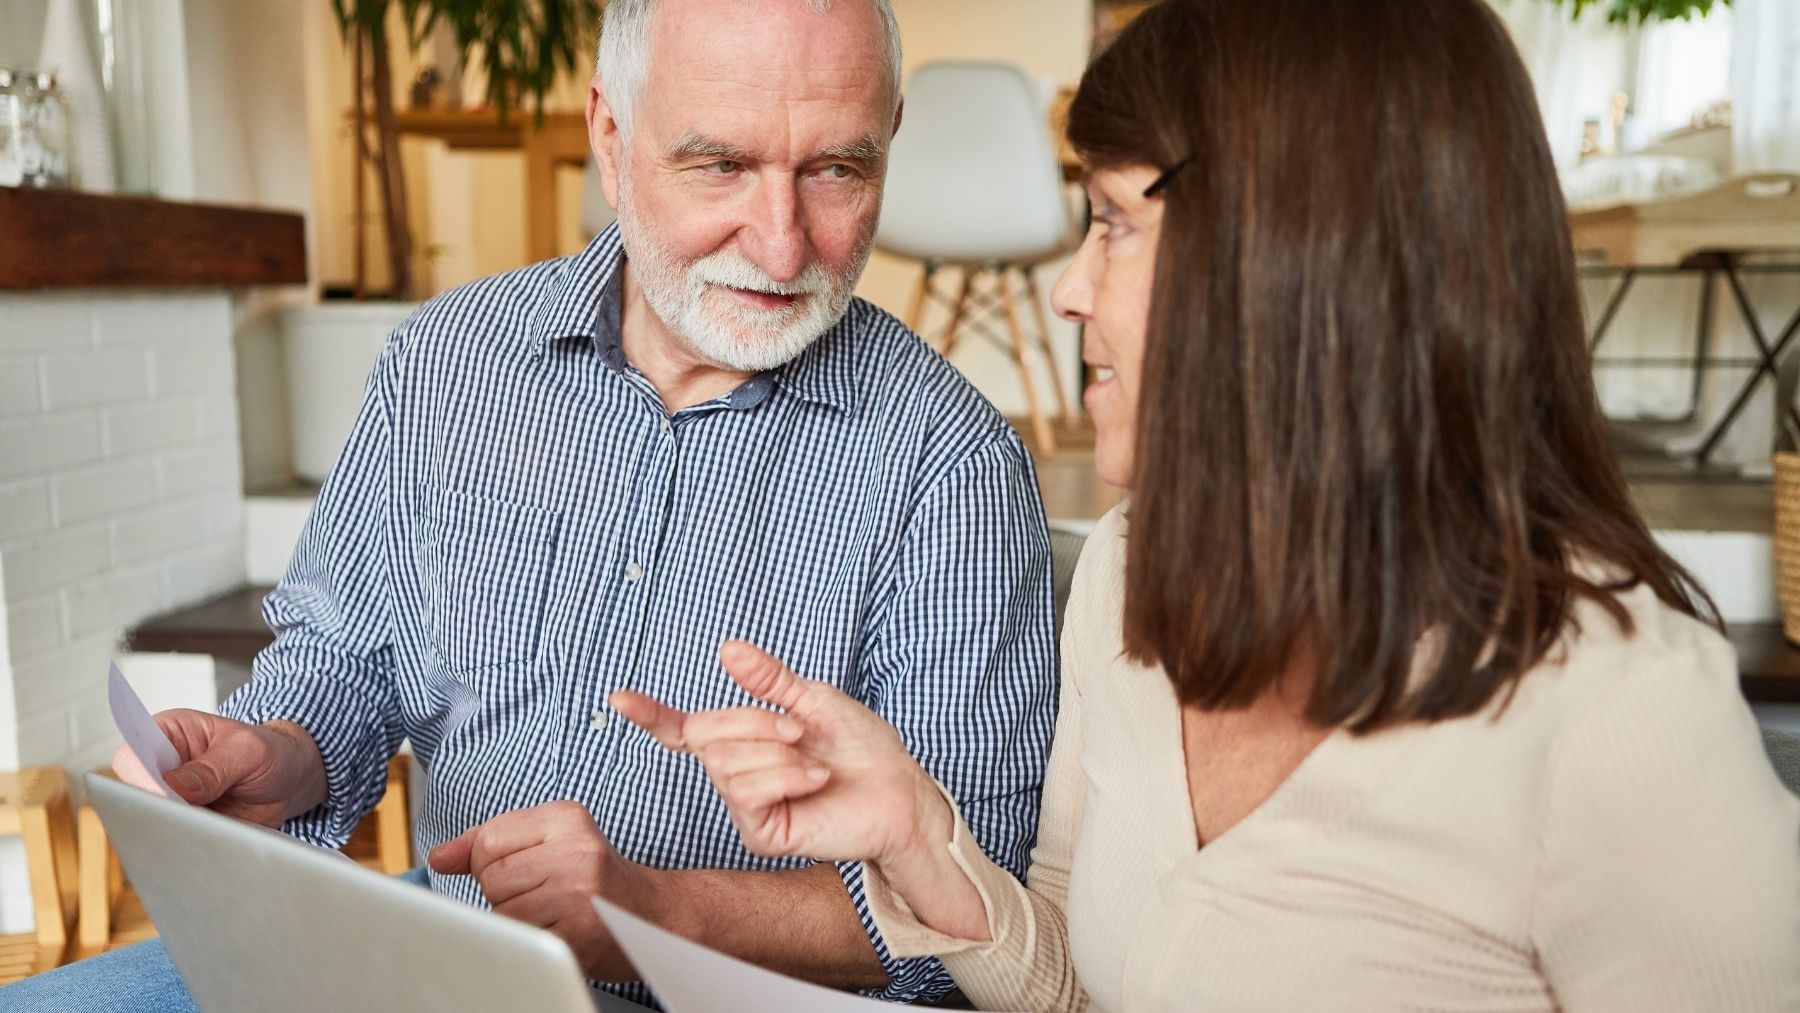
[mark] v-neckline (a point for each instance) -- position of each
(1195, 847)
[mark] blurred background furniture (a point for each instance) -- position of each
(1727, 231)
(1784, 753)
(975, 186)
(34, 806)
(111, 915)
(553, 141)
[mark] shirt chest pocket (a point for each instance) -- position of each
(486, 565)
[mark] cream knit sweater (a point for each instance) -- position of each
(1614, 839)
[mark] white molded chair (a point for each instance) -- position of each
(974, 184)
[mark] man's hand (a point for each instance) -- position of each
(540, 866)
(265, 774)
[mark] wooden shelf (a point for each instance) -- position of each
(556, 141)
(53, 239)
(229, 626)
(481, 128)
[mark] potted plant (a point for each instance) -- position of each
(519, 46)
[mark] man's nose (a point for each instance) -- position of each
(772, 237)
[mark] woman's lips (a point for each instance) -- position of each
(1103, 380)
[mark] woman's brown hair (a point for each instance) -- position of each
(1367, 410)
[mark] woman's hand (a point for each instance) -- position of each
(828, 779)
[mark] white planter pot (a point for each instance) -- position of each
(328, 351)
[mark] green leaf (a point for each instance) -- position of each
(522, 46)
(1637, 12)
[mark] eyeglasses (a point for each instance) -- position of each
(1168, 176)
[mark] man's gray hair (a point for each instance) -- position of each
(623, 62)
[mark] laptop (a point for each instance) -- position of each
(257, 920)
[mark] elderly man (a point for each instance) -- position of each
(585, 475)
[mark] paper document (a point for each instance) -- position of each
(141, 732)
(689, 978)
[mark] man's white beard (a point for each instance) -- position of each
(719, 328)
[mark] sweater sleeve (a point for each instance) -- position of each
(1670, 853)
(1027, 964)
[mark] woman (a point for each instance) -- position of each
(1377, 694)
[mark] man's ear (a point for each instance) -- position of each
(605, 140)
(899, 113)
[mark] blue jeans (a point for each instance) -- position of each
(139, 978)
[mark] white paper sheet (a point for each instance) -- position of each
(689, 978)
(141, 732)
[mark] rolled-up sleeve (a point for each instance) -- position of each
(960, 657)
(330, 669)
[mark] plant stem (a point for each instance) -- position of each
(393, 177)
(359, 123)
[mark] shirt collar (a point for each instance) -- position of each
(567, 307)
(585, 300)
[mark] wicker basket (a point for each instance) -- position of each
(1787, 542)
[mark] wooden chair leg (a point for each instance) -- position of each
(1043, 326)
(957, 310)
(115, 872)
(44, 825)
(915, 314)
(94, 925)
(393, 833)
(1040, 426)
(68, 866)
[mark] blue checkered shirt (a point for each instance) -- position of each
(517, 527)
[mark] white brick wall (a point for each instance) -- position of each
(92, 493)
(77, 379)
(120, 497)
(18, 386)
(41, 444)
(24, 507)
(156, 425)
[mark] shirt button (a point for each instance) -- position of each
(598, 721)
(634, 572)
(667, 429)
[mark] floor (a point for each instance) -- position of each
(1671, 497)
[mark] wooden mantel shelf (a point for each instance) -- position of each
(68, 239)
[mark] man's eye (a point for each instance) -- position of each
(839, 171)
(721, 168)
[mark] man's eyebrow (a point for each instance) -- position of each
(866, 150)
(697, 146)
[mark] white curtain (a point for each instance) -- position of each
(1551, 44)
(1765, 86)
(1682, 68)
